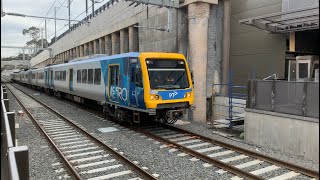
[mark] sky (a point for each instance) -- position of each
(12, 26)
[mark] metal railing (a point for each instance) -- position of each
(235, 95)
(288, 97)
(14, 159)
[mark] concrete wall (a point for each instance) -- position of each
(287, 133)
(253, 51)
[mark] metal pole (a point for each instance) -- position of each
(69, 13)
(86, 8)
(41, 37)
(92, 8)
(2, 14)
(45, 31)
(55, 24)
(23, 57)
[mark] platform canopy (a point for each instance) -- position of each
(289, 21)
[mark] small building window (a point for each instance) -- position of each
(84, 76)
(97, 76)
(90, 76)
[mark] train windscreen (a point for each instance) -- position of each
(167, 74)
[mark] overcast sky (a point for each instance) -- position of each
(12, 26)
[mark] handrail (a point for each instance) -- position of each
(9, 162)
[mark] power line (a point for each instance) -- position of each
(47, 12)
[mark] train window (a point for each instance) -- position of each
(64, 75)
(78, 76)
(90, 76)
(139, 78)
(114, 75)
(97, 76)
(84, 75)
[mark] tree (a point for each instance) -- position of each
(35, 41)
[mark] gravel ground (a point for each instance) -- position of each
(41, 156)
(159, 160)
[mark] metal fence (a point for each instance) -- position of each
(14, 159)
(295, 98)
(236, 102)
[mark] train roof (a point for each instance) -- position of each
(99, 58)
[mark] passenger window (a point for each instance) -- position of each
(97, 76)
(78, 76)
(114, 75)
(84, 76)
(90, 76)
(139, 76)
(64, 75)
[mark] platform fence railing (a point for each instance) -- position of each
(236, 100)
(14, 159)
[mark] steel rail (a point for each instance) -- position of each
(120, 157)
(73, 171)
(284, 164)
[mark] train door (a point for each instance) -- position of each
(46, 78)
(51, 79)
(114, 83)
(71, 80)
(132, 88)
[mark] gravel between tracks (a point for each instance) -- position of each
(149, 154)
(41, 154)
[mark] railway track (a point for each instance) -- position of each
(85, 156)
(213, 152)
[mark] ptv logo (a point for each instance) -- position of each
(173, 94)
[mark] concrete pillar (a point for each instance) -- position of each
(133, 39)
(102, 46)
(81, 50)
(124, 41)
(95, 47)
(198, 44)
(115, 39)
(108, 44)
(85, 49)
(226, 44)
(90, 48)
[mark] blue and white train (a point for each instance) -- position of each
(129, 86)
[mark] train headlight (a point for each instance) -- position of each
(155, 97)
(188, 94)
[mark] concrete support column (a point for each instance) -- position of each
(115, 39)
(81, 50)
(108, 44)
(85, 49)
(77, 52)
(198, 16)
(226, 44)
(91, 47)
(102, 46)
(124, 41)
(95, 47)
(133, 39)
